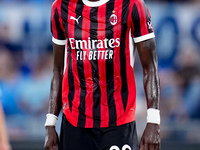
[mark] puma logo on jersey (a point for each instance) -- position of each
(76, 19)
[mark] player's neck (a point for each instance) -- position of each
(94, 3)
(93, 0)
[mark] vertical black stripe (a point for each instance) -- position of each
(136, 21)
(110, 68)
(60, 34)
(70, 80)
(80, 67)
(124, 89)
(64, 15)
(95, 69)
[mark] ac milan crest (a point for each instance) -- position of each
(113, 19)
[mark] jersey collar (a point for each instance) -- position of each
(94, 4)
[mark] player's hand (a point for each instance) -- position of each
(51, 139)
(151, 137)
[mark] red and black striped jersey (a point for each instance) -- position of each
(98, 83)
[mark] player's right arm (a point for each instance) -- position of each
(55, 103)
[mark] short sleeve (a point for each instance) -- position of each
(57, 29)
(142, 28)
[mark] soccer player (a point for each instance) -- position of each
(94, 43)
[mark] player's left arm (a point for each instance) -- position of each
(147, 52)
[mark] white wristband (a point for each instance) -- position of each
(51, 120)
(153, 116)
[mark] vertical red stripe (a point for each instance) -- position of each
(130, 109)
(60, 18)
(65, 86)
(116, 62)
(130, 18)
(143, 19)
(54, 30)
(88, 69)
(102, 68)
(73, 116)
(129, 114)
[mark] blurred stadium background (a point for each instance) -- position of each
(26, 70)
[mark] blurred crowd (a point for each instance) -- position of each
(35, 1)
(179, 1)
(26, 61)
